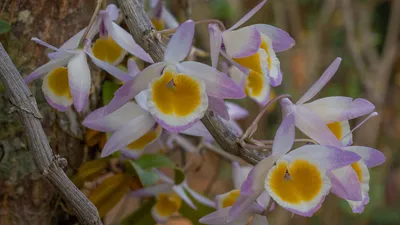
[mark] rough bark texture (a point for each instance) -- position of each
(27, 198)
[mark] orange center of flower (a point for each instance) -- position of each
(58, 82)
(107, 50)
(167, 204)
(230, 198)
(144, 140)
(176, 94)
(295, 183)
(336, 128)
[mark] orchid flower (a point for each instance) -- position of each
(298, 180)
(255, 85)
(160, 16)
(177, 91)
(326, 120)
(225, 201)
(252, 47)
(169, 197)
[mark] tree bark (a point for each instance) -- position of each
(27, 198)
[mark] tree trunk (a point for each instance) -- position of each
(26, 198)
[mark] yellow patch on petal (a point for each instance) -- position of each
(357, 168)
(176, 94)
(230, 198)
(158, 23)
(297, 182)
(254, 84)
(58, 82)
(144, 140)
(264, 45)
(336, 128)
(107, 50)
(167, 204)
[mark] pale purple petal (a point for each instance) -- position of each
(200, 198)
(218, 84)
(179, 190)
(79, 79)
(236, 112)
(281, 40)
(45, 44)
(312, 126)
(220, 217)
(370, 156)
(248, 15)
(181, 43)
(242, 43)
(124, 39)
(198, 130)
(284, 137)
(112, 11)
(133, 87)
(239, 174)
(263, 200)
(141, 99)
(133, 68)
(97, 120)
(168, 18)
(152, 191)
(113, 70)
(218, 106)
(326, 157)
(215, 43)
(130, 132)
(321, 82)
(345, 183)
(338, 108)
(46, 68)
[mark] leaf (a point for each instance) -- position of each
(4, 27)
(110, 192)
(92, 169)
(148, 161)
(179, 176)
(146, 177)
(107, 91)
(142, 216)
(192, 214)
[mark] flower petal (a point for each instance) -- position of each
(218, 85)
(215, 43)
(309, 123)
(97, 120)
(133, 68)
(326, 157)
(179, 190)
(338, 108)
(198, 197)
(321, 82)
(181, 43)
(112, 11)
(239, 174)
(45, 44)
(198, 130)
(236, 112)
(345, 183)
(130, 132)
(238, 76)
(124, 39)
(248, 15)
(119, 74)
(152, 191)
(218, 106)
(168, 18)
(370, 156)
(242, 43)
(46, 68)
(141, 99)
(252, 187)
(79, 80)
(263, 200)
(281, 40)
(56, 89)
(220, 217)
(284, 137)
(134, 86)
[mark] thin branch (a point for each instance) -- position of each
(144, 33)
(49, 166)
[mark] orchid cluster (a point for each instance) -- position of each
(166, 100)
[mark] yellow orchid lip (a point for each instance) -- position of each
(177, 99)
(227, 199)
(56, 88)
(167, 204)
(299, 185)
(107, 50)
(257, 86)
(146, 139)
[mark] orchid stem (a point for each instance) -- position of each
(253, 127)
(92, 20)
(168, 32)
